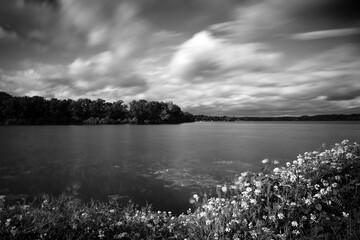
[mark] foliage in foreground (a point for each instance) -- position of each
(316, 196)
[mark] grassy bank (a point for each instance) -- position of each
(317, 196)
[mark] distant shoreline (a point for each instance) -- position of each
(330, 117)
(204, 118)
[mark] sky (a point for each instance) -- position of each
(214, 57)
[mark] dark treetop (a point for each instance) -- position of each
(37, 110)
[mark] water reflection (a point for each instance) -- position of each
(159, 165)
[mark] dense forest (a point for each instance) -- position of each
(38, 110)
(329, 117)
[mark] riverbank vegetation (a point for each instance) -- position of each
(316, 196)
(38, 110)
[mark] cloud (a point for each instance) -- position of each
(328, 78)
(326, 34)
(77, 27)
(39, 78)
(27, 19)
(98, 22)
(334, 11)
(81, 78)
(204, 55)
(7, 35)
(251, 22)
(233, 57)
(344, 57)
(326, 83)
(109, 39)
(346, 93)
(115, 26)
(273, 19)
(105, 68)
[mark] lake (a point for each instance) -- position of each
(161, 165)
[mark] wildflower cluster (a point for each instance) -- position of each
(315, 196)
(312, 195)
(67, 218)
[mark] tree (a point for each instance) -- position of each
(174, 112)
(118, 111)
(154, 110)
(80, 110)
(11, 110)
(188, 117)
(3, 98)
(37, 110)
(59, 111)
(97, 108)
(137, 111)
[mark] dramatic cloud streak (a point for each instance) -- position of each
(274, 57)
(326, 34)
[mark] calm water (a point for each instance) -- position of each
(157, 164)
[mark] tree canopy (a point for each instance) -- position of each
(38, 110)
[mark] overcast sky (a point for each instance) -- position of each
(233, 57)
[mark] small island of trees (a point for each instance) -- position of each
(38, 110)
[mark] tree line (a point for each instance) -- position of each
(38, 110)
